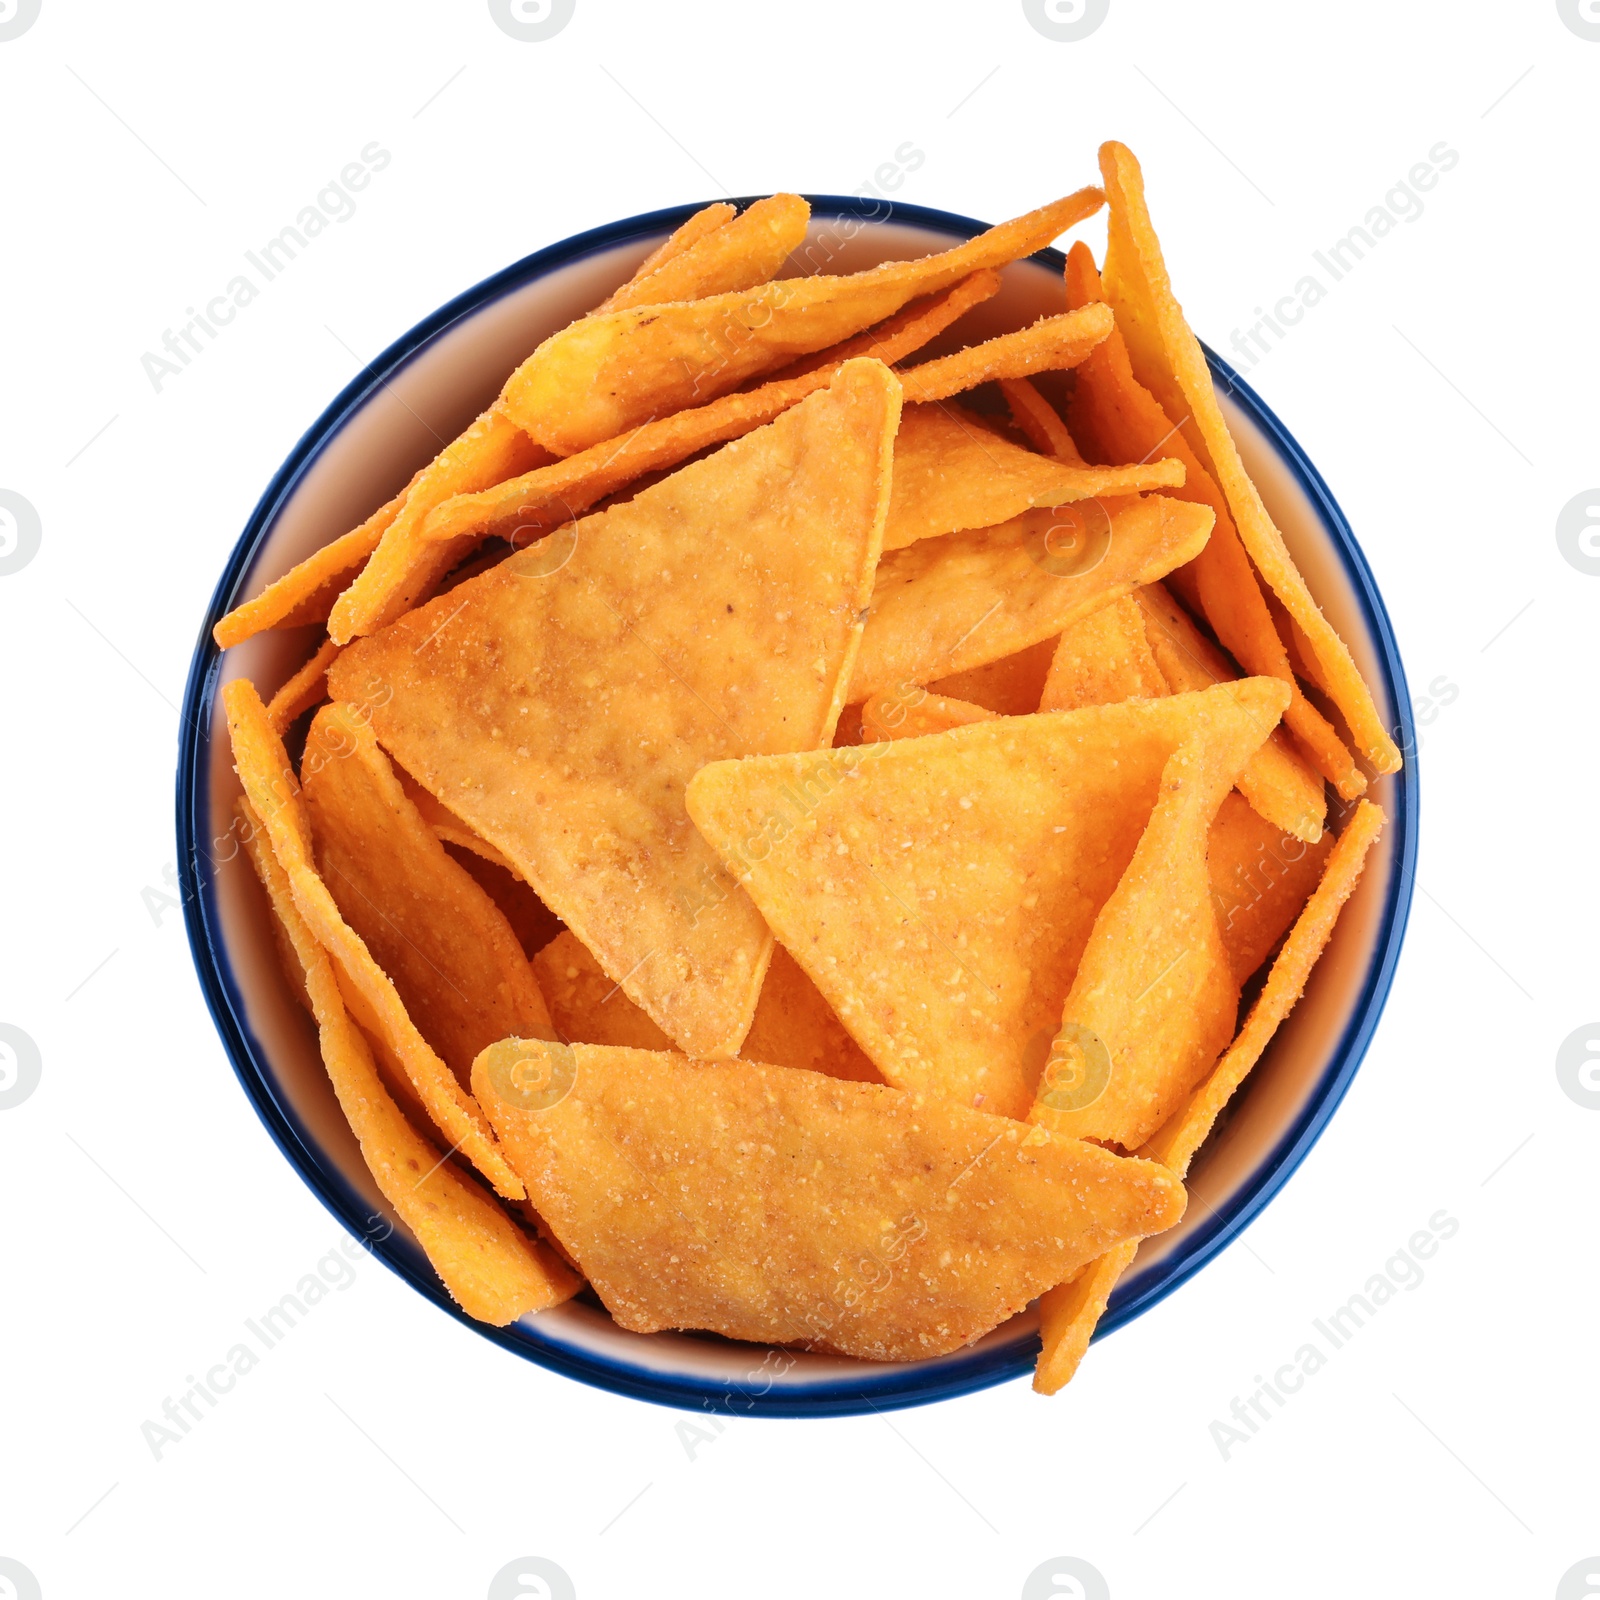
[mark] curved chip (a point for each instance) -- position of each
(782, 1206)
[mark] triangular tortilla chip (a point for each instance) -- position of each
(1260, 876)
(1277, 780)
(943, 606)
(454, 959)
(306, 688)
(1034, 417)
(406, 568)
(1103, 658)
(1167, 360)
(1119, 419)
(1154, 998)
(307, 591)
(1068, 1315)
(706, 220)
(1181, 1136)
(1146, 645)
(739, 253)
(559, 703)
(274, 792)
(940, 891)
(606, 374)
(493, 1270)
(911, 715)
(522, 507)
(1011, 686)
(952, 472)
(793, 1026)
(782, 1206)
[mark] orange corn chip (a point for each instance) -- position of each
(306, 593)
(793, 1026)
(909, 715)
(587, 1006)
(1103, 658)
(559, 703)
(1178, 1140)
(952, 473)
(405, 567)
(1068, 1315)
(1260, 878)
(706, 220)
(782, 1206)
(942, 606)
(552, 495)
(742, 252)
(1168, 360)
(272, 789)
(491, 1268)
(1154, 1000)
(1114, 410)
(447, 827)
(454, 960)
(1011, 686)
(604, 375)
(1036, 419)
(533, 922)
(308, 687)
(939, 891)
(1052, 344)
(1277, 780)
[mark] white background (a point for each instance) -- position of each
(1446, 389)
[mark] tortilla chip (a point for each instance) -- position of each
(586, 1006)
(1121, 420)
(1154, 1000)
(952, 472)
(523, 507)
(559, 704)
(1103, 658)
(306, 593)
(1068, 1315)
(606, 374)
(910, 713)
(786, 1207)
(454, 960)
(308, 687)
(1052, 344)
(1167, 360)
(446, 826)
(706, 220)
(1182, 1135)
(493, 1271)
(1277, 780)
(1261, 876)
(405, 567)
(939, 891)
(943, 606)
(742, 252)
(793, 1026)
(532, 921)
(274, 792)
(1037, 420)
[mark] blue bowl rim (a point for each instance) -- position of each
(878, 1389)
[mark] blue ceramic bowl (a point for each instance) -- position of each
(392, 417)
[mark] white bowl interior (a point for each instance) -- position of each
(427, 402)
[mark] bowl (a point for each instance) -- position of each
(392, 417)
